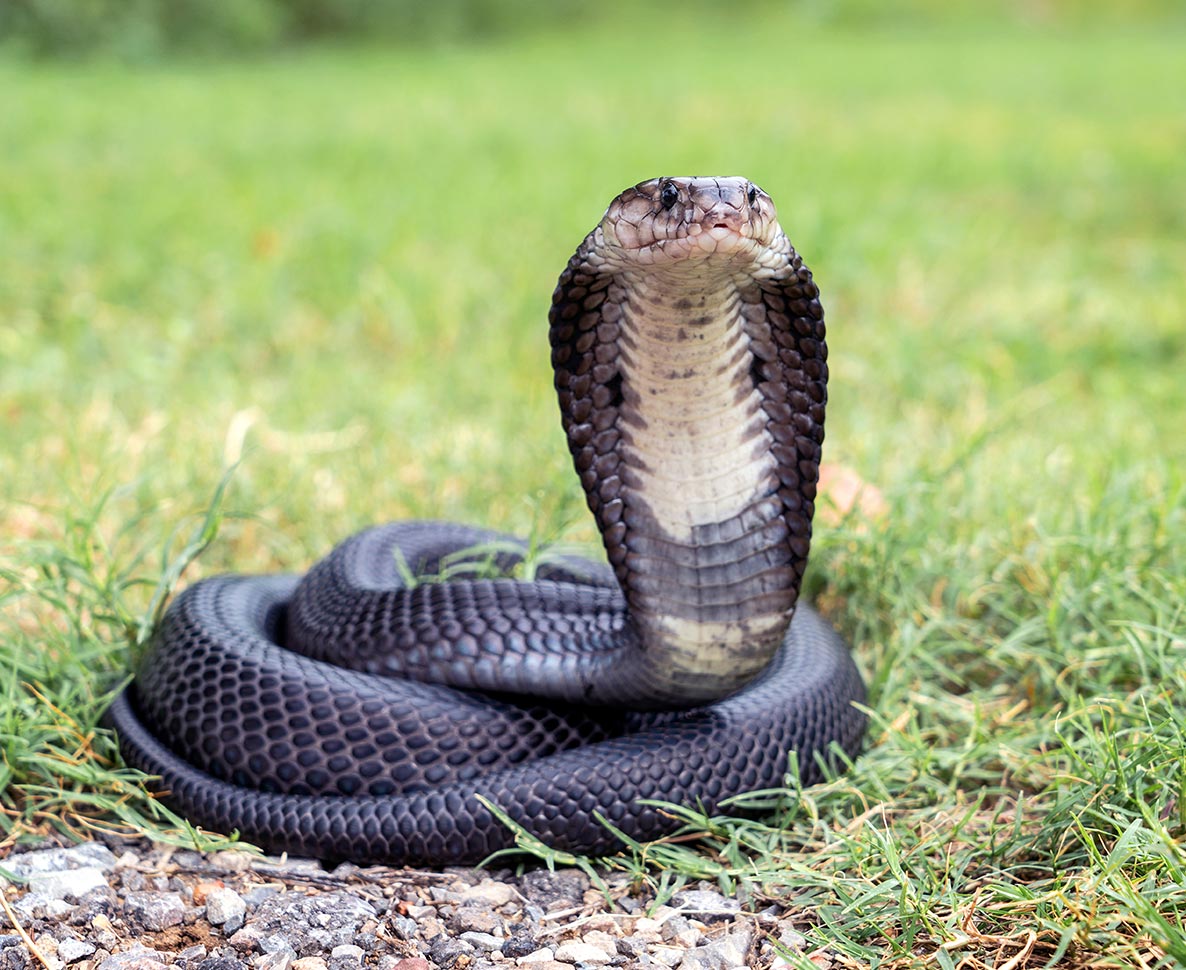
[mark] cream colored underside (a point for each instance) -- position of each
(698, 453)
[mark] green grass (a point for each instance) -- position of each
(334, 269)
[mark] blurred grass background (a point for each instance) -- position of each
(322, 245)
(147, 29)
(343, 257)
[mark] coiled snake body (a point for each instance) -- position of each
(688, 348)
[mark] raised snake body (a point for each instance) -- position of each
(688, 348)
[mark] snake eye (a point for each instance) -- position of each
(669, 196)
(752, 195)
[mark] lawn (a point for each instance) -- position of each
(330, 270)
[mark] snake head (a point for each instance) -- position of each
(668, 221)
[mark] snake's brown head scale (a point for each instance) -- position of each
(671, 221)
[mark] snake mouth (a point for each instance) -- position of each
(726, 245)
(722, 232)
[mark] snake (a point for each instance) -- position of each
(408, 701)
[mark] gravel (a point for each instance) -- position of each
(68, 882)
(154, 911)
(226, 908)
(133, 906)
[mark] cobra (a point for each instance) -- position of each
(350, 714)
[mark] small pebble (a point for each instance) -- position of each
(706, 906)
(204, 888)
(221, 963)
(225, 908)
(577, 951)
(723, 954)
(255, 896)
(67, 882)
(630, 947)
(57, 908)
(30, 906)
(470, 918)
(601, 940)
(48, 947)
(246, 940)
(274, 943)
(70, 950)
(481, 941)
(673, 927)
(559, 889)
(404, 927)
(104, 932)
(280, 959)
(430, 927)
(445, 952)
(232, 860)
(133, 881)
(489, 893)
(346, 951)
(155, 911)
(137, 958)
(88, 855)
(519, 945)
(102, 900)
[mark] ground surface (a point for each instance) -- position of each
(331, 270)
(127, 906)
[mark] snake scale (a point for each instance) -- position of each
(351, 714)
